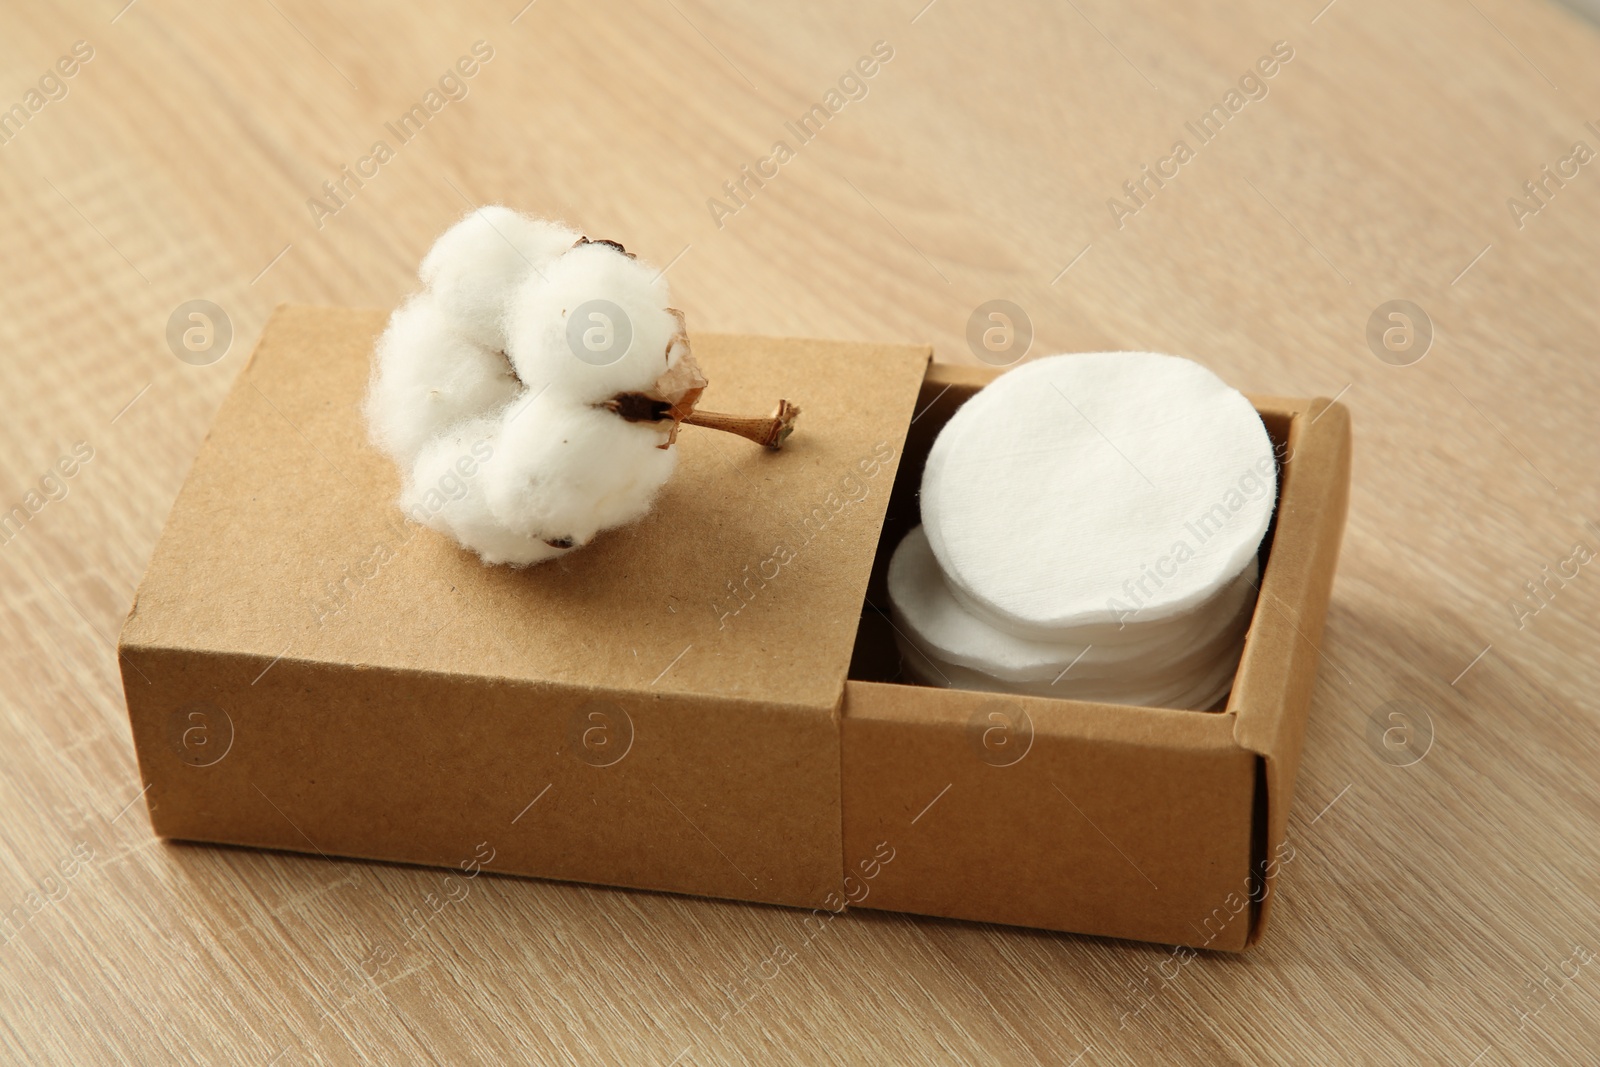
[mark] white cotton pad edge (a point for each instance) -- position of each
(931, 618)
(1081, 489)
(1197, 690)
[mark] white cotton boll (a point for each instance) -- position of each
(595, 323)
(474, 267)
(446, 491)
(516, 436)
(429, 377)
(568, 471)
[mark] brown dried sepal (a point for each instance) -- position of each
(683, 382)
(602, 241)
(676, 393)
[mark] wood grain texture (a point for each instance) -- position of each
(1430, 911)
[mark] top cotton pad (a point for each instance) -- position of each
(1106, 487)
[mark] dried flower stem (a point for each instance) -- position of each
(770, 432)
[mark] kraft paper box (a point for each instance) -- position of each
(306, 670)
(704, 702)
(1147, 823)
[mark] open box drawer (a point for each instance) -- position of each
(1150, 823)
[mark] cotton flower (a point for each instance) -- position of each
(531, 393)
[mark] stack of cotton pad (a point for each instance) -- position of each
(1090, 531)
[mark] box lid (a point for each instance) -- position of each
(744, 582)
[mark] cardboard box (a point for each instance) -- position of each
(1148, 823)
(696, 703)
(305, 670)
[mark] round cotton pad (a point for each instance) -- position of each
(1199, 685)
(1099, 488)
(1186, 696)
(935, 623)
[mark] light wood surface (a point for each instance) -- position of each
(1432, 911)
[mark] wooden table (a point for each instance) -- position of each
(1437, 912)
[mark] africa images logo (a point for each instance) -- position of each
(1000, 732)
(600, 733)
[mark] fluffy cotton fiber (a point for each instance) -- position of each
(509, 436)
